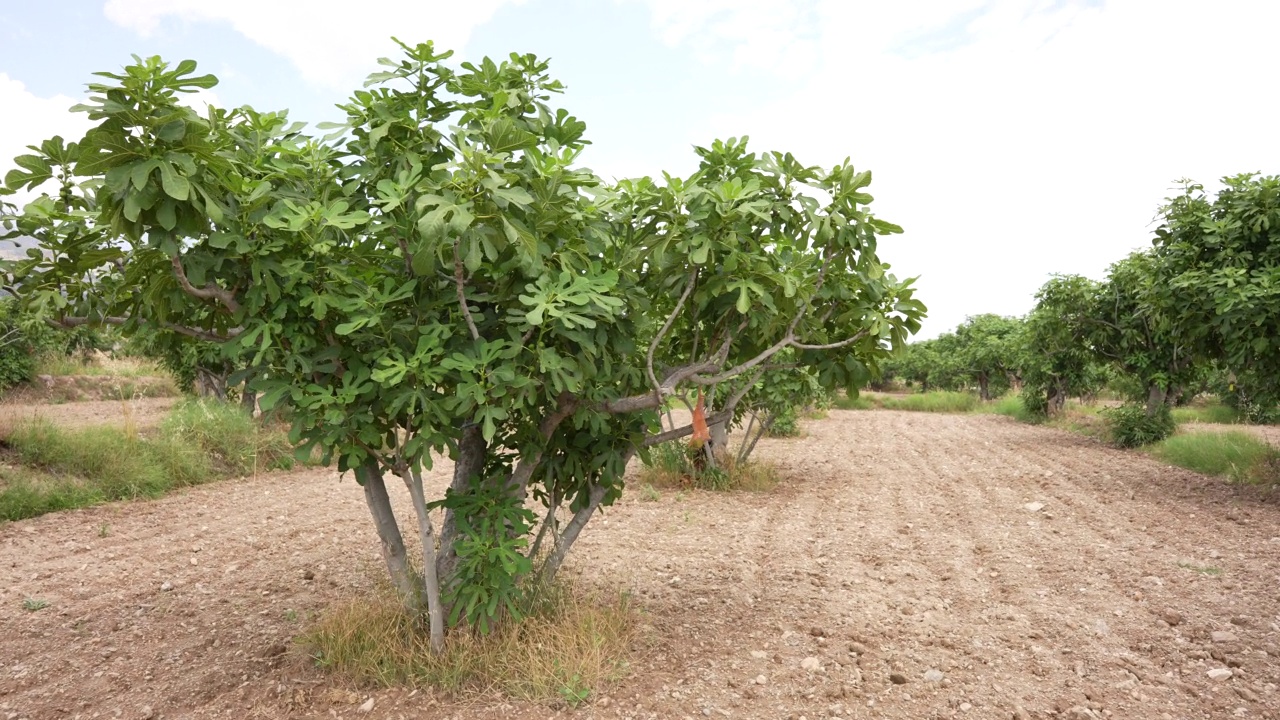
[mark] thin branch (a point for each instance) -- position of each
(831, 346)
(199, 334)
(566, 405)
(462, 296)
(208, 292)
(666, 327)
(408, 257)
(736, 371)
(75, 322)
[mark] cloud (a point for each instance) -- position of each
(28, 120)
(332, 44)
(1011, 138)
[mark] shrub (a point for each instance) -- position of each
(1130, 425)
(784, 424)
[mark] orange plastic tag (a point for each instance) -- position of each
(701, 433)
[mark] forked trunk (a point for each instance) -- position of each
(391, 542)
(430, 578)
(469, 464)
(984, 386)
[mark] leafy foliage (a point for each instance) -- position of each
(1132, 426)
(437, 276)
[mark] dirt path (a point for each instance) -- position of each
(902, 549)
(145, 413)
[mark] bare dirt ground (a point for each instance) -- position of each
(901, 572)
(144, 413)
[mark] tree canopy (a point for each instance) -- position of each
(438, 276)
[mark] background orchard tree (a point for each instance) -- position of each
(986, 351)
(1058, 359)
(438, 276)
(1134, 327)
(1221, 256)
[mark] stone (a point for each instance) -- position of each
(759, 654)
(857, 648)
(367, 706)
(965, 707)
(166, 586)
(1222, 636)
(1173, 617)
(897, 678)
(812, 664)
(1219, 674)
(933, 675)
(761, 679)
(1033, 507)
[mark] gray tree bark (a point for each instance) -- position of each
(391, 541)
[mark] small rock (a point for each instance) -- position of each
(1020, 713)
(759, 654)
(195, 561)
(166, 586)
(1222, 636)
(1219, 673)
(965, 707)
(897, 678)
(1033, 507)
(761, 679)
(1173, 617)
(933, 675)
(147, 713)
(367, 706)
(857, 648)
(817, 631)
(603, 702)
(812, 664)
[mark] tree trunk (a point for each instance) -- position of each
(249, 401)
(469, 464)
(1156, 397)
(571, 531)
(1057, 400)
(209, 384)
(393, 553)
(430, 578)
(984, 386)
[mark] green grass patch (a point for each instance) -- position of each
(1010, 405)
(237, 443)
(858, 402)
(1212, 412)
(940, 401)
(66, 469)
(1235, 454)
(97, 366)
(567, 649)
(48, 468)
(671, 465)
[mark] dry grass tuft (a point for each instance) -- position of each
(567, 648)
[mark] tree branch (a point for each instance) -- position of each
(199, 334)
(462, 295)
(831, 346)
(713, 419)
(566, 404)
(666, 327)
(208, 292)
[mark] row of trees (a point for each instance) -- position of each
(439, 276)
(1199, 309)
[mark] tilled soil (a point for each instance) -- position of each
(912, 566)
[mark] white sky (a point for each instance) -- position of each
(1011, 138)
